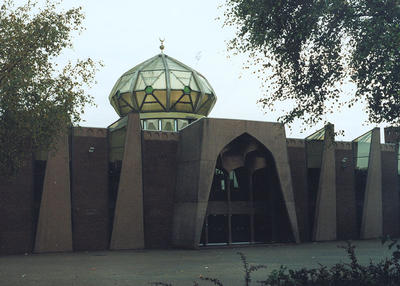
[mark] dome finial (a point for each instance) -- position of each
(162, 45)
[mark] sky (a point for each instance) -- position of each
(123, 34)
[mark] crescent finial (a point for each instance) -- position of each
(162, 45)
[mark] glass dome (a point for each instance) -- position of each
(163, 87)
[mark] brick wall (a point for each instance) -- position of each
(159, 172)
(390, 194)
(345, 195)
(17, 212)
(297, 161)
(89, 189)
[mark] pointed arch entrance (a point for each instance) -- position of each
(245, 204)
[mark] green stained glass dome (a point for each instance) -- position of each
(163, 85)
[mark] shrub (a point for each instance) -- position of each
(384, 272)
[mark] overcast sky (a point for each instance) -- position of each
(124, 33)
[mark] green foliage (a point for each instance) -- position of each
(38, 99)
(313, 46)
(385, 272)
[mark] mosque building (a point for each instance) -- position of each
(167, 176)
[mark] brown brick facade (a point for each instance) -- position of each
(89, 192)
(390, 194)
(92, 216)
(298, 167)
(345, 196)
(159, 173)
(17, 212)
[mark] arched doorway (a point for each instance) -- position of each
(245, 204)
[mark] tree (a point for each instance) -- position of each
(38, 99)
(313, 46)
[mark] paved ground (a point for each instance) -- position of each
(179, 267)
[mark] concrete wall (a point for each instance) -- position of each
(89, 188)
(127, 232)
(325, 210)
(200, 144)
(54, 230)
(372, 220)
(159, 175)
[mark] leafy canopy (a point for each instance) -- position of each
(313, 46)
(38, 99)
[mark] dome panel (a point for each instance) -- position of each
(195, 96)
(161, 96)
(186, 99)
(157, 64)
(125, 84)
(149, 77)
(175, 95)
(140, 84)
(162, 84)
(114, 91)
(205, 107)
(140, 98)
(205, 84)
(183, 77)
(183, 104)
(203, 99)
(175, 82)
(174, 65)
(151, 106)
(127, 99)
(183, 107)
(193, 85)
(125, 108)
(149, 98)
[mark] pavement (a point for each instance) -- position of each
(179, 267)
